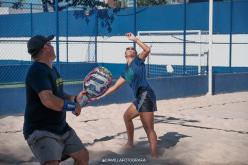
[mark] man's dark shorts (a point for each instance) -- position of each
(47, 146)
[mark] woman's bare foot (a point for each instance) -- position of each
(128, 145)
(154, 156)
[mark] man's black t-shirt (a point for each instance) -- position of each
(38, 117)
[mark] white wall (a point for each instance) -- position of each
(162, 53)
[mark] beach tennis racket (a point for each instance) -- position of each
(95, 84)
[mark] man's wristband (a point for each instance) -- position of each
(69, 105)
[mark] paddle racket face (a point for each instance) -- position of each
(97, 82)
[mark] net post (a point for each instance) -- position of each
(199, 53)
(96, 34)
(57, 35)
(184, 37)
(67, 30)
(230, 35)
(135, 19)
(31, 19)
(210, 45)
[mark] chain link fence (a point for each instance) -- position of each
(92, 33)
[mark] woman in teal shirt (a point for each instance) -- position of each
(144, 104)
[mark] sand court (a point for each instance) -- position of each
(191, 131)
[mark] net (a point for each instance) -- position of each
(167, 52)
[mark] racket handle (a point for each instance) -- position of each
(84, 101)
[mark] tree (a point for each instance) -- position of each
(18, 4)
(62, 4)
(151, 2)
(89, 7)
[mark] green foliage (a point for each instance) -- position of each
(64, 4)
(151, 2)
(18, 4)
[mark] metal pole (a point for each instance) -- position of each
(31, 19)
(135, 21)
(210, 44)
(57, 35)
(230, 35)
(96, 34)
(148, 66)
(199, 53)
(184, 38)
(67, 25)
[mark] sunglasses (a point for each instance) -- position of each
(130, 48)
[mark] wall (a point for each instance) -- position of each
(16, 73)
(164, 88)
(167, 17)
(224, 83)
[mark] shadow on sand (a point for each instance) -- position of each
(140, 153)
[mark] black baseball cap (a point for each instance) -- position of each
(36, 43)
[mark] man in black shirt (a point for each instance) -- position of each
(45, 128)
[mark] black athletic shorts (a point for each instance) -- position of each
(145, 101)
